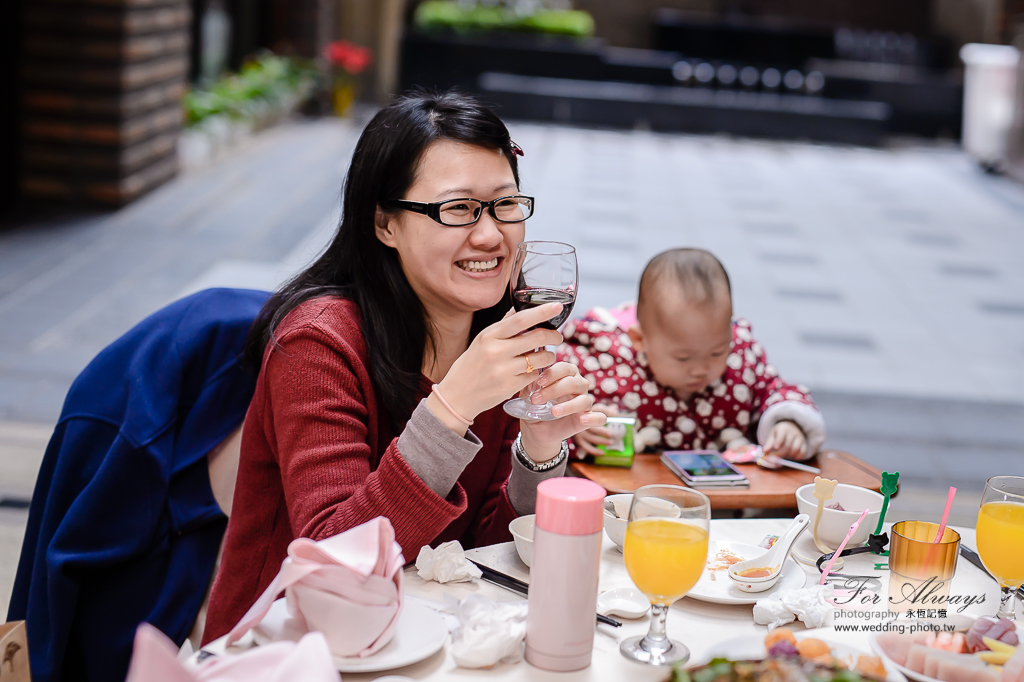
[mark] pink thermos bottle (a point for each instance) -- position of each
(563, 576)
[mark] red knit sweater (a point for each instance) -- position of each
(311, 439)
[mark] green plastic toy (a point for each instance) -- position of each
(890, 483)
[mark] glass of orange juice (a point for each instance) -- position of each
(1000, 536)
(665, 551)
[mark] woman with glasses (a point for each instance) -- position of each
(384, 365)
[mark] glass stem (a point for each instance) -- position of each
(656, 639)
(1006, 604)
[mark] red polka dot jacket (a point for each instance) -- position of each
(745, 402)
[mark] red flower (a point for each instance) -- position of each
(349, 56)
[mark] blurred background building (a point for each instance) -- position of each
(92, 90)
(150, 148)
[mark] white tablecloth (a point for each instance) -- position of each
(697, 624)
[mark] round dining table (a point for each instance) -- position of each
(698, 624)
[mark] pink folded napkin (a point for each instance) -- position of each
(154, 659)
(349, 587)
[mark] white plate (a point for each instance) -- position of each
(751, 648)
(421, 632)
(722, 590)
(962, 622)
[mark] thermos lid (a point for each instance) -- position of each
(570, 506)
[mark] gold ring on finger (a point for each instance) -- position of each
(529, 365)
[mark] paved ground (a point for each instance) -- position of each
(886, 279)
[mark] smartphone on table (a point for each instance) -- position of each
(704, 469)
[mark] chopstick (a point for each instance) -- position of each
(972, 556)
(519, 587)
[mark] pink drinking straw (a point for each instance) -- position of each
(942, 530)
(945, 515)
(842, 546)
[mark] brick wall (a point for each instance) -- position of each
(100, 108)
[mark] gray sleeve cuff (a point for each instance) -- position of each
(522, 485)
(435, 452)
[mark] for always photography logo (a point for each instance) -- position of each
(924, 604)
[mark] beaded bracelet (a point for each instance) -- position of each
(436, 390)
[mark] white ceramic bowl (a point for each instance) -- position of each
(522, 533)
(614, 526)
(836, 524)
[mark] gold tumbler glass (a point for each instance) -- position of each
(921, 570)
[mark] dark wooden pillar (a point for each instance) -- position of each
(10, 102)
(101, 105)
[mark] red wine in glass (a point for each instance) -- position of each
(542, 272)
(531, 297)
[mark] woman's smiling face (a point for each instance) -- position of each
(455, 270)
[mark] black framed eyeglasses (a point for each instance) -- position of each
(462, 212)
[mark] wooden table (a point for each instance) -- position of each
(769, 489)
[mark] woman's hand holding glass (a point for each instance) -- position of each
(505, 359)
(562, 385)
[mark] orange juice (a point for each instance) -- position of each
(665, 557)
(1000, 534)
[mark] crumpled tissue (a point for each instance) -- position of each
(488, 631)
(446, 564)
(809, 604)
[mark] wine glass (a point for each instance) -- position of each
(666, 549)
(1000, 536)
(542, 272)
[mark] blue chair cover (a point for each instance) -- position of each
(123, 527)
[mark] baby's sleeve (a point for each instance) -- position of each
(780, 400)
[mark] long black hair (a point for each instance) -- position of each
(358, 266)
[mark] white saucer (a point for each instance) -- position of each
(751, 648)
(722, 590)
(421, 632)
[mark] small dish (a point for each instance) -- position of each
(522, 532)
(770, 562)
(616, 517)
(716, 588)
(626, 602)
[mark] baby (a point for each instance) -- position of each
(695, 377)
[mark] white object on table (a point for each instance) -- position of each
(752, 648)
(719, 588)
(698, 625)
(624, 602)
(771, 559)
(522, 534)
(419, 634)
(836, 524)
(957, 621)
(616, 517)
(489, 632)
(446, 564)
(809, 604)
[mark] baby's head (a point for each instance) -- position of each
(684, 310)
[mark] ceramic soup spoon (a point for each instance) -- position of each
(764, 571)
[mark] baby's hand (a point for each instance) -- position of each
(587, 441)
(787, 440)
